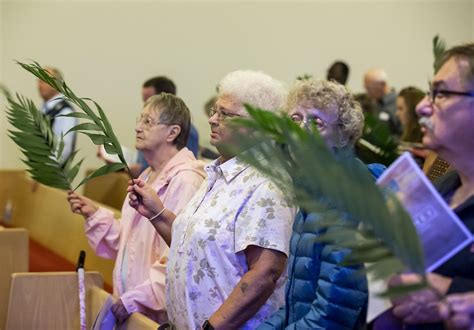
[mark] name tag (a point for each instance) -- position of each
(384, 116)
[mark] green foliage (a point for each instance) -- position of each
(377, 144)
(41, 148)
(439, 47)
(304, 76)
(4, 90)
(97, 127)
(358, 216)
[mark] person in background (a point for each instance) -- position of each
(339, 72)
(407, 100)
(320, 293)
(229, 246)
(384, 98)
(174, 176)
(55, 106)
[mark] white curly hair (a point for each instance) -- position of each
(254, 88)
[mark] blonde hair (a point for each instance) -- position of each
(329, 97)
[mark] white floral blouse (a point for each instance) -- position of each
(235, 208)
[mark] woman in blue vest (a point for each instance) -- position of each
(320, 293)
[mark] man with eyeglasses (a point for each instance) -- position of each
(229, 246)
(447, 120)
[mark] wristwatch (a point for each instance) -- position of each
(207, 326)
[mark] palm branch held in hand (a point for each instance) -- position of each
(334, 184)
(34, 126)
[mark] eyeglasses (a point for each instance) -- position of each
(147, 121)
(308, 122)
(311, 121)
(222, 114)
(439, 94)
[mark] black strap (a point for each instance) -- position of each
(54, 111)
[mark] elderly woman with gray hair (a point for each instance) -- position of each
(320, 293)
(229, 246)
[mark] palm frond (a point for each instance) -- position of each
(41, 148)
(439, 47)
(377, 144)
(304, 76)
(4, 90)
(96, 126)
(358, 216)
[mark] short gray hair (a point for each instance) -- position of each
(254, 88)
(331, 97)
(461, 52)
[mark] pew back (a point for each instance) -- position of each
(14, 259)
(48, 300)
(45, 212)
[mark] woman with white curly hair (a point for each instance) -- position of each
(320, 292)
(229, 246)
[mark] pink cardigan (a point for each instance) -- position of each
(134, 239)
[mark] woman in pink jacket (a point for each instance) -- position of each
(162, 130)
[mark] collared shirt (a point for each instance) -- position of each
(235, 208)
(140, 252)
(62, 125)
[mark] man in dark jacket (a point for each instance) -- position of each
(447, 118)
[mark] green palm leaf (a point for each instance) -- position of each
(439, 47)
(4, 90)
(336, 184)
(42, 150)
(97, 126)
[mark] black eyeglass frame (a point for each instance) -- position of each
(431, 93)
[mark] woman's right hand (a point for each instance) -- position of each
(148, 204)
(81, 205)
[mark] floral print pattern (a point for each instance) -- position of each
(235, 208)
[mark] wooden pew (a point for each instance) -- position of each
(14, 259)
(48, 300)
(109, 189)
(45, 213)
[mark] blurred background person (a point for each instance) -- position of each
(339, 72)
(406, 102)
(383, 97)
(410, 140)
(55, 106)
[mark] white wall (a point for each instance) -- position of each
(106, 49)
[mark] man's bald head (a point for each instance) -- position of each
(375, 82)
(47, 92)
